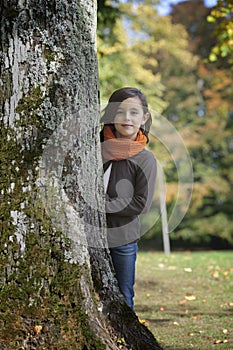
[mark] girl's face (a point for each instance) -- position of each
(129, 117)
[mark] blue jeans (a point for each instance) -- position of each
(124, 260)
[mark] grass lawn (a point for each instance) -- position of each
(186, 299)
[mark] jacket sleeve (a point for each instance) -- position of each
(141, 192)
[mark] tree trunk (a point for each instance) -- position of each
(57, 286)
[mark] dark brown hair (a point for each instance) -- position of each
(115, 100)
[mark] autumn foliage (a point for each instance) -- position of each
(168, 58)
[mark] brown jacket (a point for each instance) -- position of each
(129, 194)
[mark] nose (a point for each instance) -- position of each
(127, 115)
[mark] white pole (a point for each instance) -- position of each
(163, 209)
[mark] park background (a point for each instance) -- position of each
(55, 295)
(180, 56)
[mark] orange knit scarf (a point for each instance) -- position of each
(119, 148)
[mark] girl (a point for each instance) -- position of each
(129, 179)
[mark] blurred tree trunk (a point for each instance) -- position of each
(57, 286)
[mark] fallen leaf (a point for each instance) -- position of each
(176, 323)
(161, 265)
(190, 297)
(196, 317)
(188, 269)
(145, 322)
(182, 301)
(146, 282)
(220, 341)
(224, 331)
(38, 329)
(215, 274)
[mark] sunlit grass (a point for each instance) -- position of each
(186, 299)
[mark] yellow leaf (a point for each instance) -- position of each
(211, 19)
(161, 266)
(212, 57)
(216, 274)
(190, 297)
(145, 322)
(220, 341)
(188, 269)
(38, 329)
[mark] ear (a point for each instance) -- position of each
(145, 118)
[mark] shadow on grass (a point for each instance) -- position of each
(172, 348)
(192, 311)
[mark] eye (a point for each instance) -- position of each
(119, 111)
(135, 112)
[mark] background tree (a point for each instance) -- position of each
(221, 16)
(209, 136)
(107, 14)
(119, 56)
(57, 286)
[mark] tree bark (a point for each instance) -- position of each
(57, 286)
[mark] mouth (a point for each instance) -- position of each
(127, 125)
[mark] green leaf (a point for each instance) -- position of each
(212, 57)
(211, 19)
